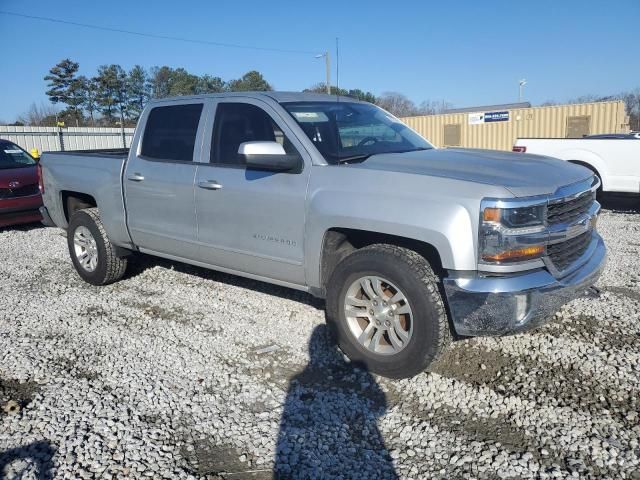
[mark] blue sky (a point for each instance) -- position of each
(465, 52)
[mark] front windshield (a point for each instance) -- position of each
(344, 131)
(12, 156)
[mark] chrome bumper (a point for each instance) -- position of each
(502, 305)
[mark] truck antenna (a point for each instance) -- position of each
(337, 72)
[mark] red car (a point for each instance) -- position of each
(20, 197)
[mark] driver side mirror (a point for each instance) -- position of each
(269, 156)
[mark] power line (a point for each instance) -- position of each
(153, 35)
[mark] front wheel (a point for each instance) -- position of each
(92, 253)
(384, 304)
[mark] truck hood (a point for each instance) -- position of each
(24, 176)
(522, 174)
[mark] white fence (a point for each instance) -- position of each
(72, 138)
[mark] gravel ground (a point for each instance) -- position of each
(178, 372)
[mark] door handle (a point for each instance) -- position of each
(135, 177)
(210, 185)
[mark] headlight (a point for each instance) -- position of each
(516, 217)
(512, 234)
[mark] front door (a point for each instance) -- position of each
(159, 181)
(249, 220)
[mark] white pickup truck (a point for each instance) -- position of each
(616, 161)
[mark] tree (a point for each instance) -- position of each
(77, 96)
(60, 79)
(138, 91)
(111, 94)
(354, 93)
(182, 82)
(632, 106)
(397, 104)
(43, 115)
(252, 81)
(209, 84)
(362, 95)
(159, 82)
(90, 99)
(432, 107)
(65, 87)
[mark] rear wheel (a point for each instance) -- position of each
(384, 304)
(92, 253)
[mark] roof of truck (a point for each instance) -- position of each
(281, 97)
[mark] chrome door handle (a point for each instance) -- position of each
(210, 185)
(135, 177)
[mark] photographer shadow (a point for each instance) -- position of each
(329, 422)
(22, 462)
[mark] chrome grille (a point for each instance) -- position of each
(563, 254)
(570, 210)
(24, 191)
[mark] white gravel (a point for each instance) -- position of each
(178, 372)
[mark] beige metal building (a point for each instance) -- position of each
(499, 128)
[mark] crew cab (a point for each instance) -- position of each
(614, 159)
(410, 245)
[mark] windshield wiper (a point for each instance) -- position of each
(363, 157)
(360, 158)
(411, 150)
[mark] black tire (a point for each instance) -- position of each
(413, 275)
(110, 268)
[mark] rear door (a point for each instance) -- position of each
(159, 179)
(249, 220)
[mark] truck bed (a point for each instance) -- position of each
(94, 174)
(614, 160)
(100, 152)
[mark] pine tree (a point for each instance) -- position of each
(111, 97)
(251, 81)
(65, 88)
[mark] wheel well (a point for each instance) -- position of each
(74, 201)
(340, 242)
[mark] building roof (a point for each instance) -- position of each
(489, 108)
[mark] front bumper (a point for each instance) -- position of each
(18, 210)
(502, 305)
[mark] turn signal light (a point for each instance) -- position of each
(515, 255)
(492, 215)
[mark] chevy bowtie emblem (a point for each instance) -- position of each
(14, 184)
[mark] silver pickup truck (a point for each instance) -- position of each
(410, 245)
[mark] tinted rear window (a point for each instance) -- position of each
(170, 133)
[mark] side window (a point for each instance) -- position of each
(170, 133)
(237, 123)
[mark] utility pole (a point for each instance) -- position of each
(124, 138)
(521, 85)
(328, 70)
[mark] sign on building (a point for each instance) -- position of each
(496, 116)
(488, 117)
(476, 118)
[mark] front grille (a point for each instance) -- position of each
(563, 254)
(567, 212)
(24, 191)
